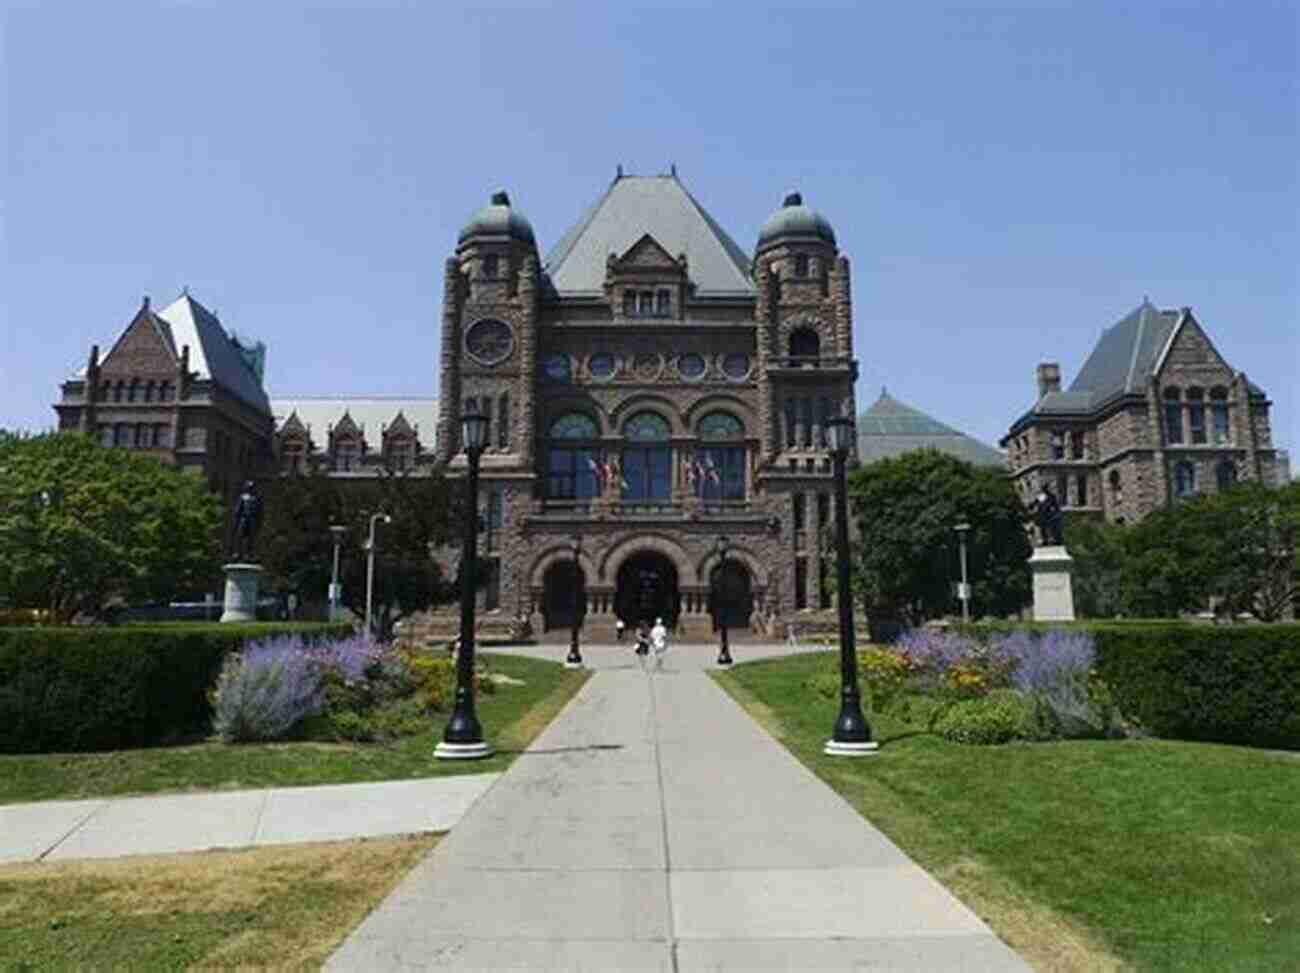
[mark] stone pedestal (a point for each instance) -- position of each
(241, 592)
(1053, 592)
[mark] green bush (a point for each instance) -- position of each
(105, 688)
(1000, 716)
(1214, 683)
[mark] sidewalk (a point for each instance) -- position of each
(170, 823)
(654, 825)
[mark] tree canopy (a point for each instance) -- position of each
(297, 548)
(906, 562)
(81, 524)
(1238, 546)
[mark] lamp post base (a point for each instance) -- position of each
(463, 751)
(573, 663)
(834, 748)
(724, 660)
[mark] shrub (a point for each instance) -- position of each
(883, 673)
(1001, 716)
(1056, 668)
(104, 688)
(266, 690)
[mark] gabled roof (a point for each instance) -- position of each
(660, 206)
(890, 428)
(373, 412)
(214, 355)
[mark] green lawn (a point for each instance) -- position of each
(511, 718)
(1165, 855)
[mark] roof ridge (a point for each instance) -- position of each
(1137, 342)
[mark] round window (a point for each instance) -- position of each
(736, 366)
(691, 366)
(602, 365)
(489, 342)
(556, 367)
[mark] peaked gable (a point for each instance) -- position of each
(646, 254)
(1189, 346)
(144, 347)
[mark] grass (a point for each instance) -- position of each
(1154, 854)
(511, 718)
(285, 907)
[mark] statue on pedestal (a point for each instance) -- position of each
(1049, 517)
(247, 521)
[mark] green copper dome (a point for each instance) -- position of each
(795, 219)
(498, 219)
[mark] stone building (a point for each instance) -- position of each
(890, 428)
(181, 388)
(651, 387)
(1155, 414)
(354, 437)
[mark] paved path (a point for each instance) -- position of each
(169, 823)
(654, 825)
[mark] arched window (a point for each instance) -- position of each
(148, 391)
(133, 390)
(491, 265)
(1184, 479)
(1173, 416)
(804, 343)
(571, 462)
(1219, 415)
(1116, 487)
(719, 471)
(646, 473)
(1225, 474)
(801, 265)
(1196, 415)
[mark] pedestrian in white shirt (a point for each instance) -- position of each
(659, 642)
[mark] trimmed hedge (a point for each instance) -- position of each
(105, 688)
(1214, 683)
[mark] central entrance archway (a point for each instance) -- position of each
(647, 589)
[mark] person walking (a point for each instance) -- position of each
(659, 642)
(642, 644)
(618, 628)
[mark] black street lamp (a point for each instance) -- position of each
(574, 658)
(851, 736)
(719, 602)
(463, 739)
(963, 591)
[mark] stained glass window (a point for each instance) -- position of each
(735, 366)
(489, 341)
(602, 365)
(690, 366)
(556, 367)
(721, 425)
(646, 427)
(575, 425)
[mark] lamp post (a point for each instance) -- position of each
(963, 592)
(574, 658)
(338, 532)
(463, 738)
(719, 602)
(370, 566)
(851, 736)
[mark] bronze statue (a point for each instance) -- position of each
(1049, 516)
(248, 518)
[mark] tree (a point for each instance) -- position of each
(81, 524)
(1099, 551)
(297, 549)
(906, 507)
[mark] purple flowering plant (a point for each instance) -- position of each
(266, 690)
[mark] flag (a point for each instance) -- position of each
(712, 470)
(597, 471)
(688, 471)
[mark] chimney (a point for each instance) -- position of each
(1049, 378)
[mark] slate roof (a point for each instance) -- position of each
(371, 412)
(660, 206)
(890, 428)
(214, 354)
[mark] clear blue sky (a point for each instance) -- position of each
(1006, 181)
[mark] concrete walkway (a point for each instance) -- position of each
(655, 826)
(170, 823)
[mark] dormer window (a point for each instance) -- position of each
(801, 265)
(645, 304)
(629, 304)
(663, 303)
